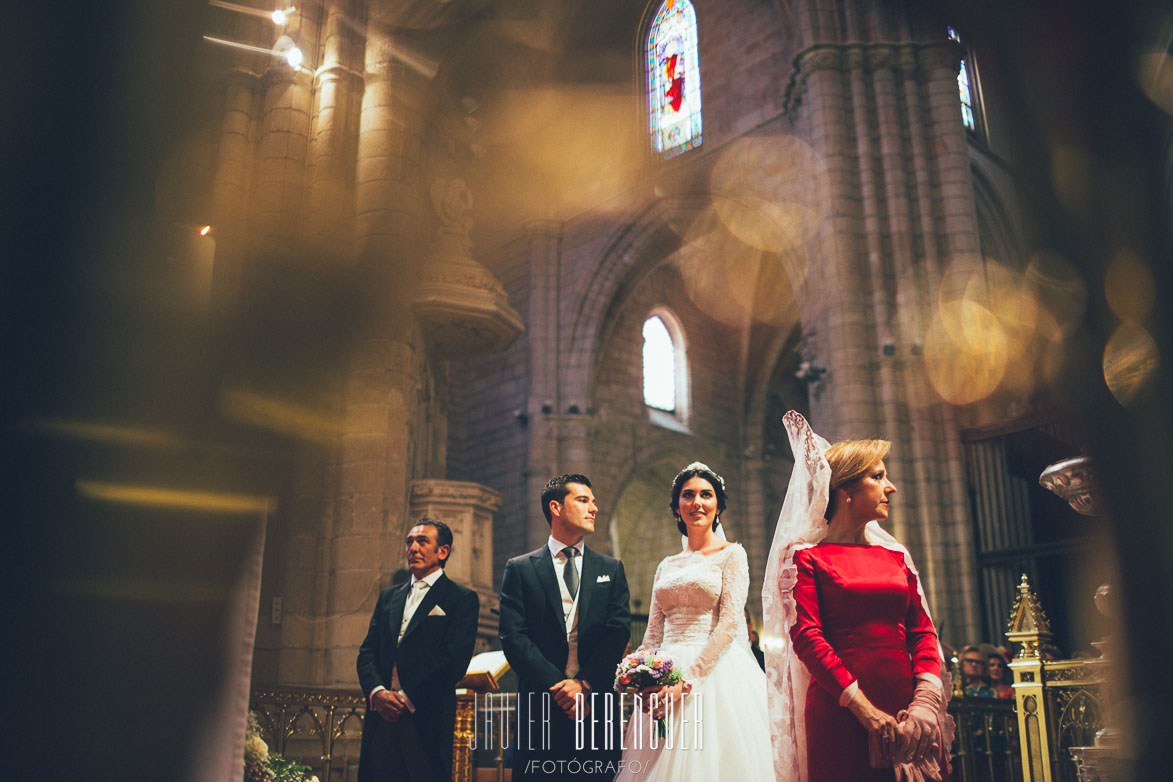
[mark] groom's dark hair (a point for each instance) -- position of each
(555, 490)
(443, 534)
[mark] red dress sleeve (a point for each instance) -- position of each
(920, 634)
(810, 644)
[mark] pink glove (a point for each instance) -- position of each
(919, 732)
(923, 735)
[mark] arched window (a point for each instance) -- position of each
(665, 369)
(965, 89)
(674, 80)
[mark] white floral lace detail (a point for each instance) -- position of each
(698, 601)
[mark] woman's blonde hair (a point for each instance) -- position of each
(850, 460)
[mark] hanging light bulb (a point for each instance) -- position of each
(281, 17)
(285, 48)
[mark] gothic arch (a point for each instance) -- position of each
(634, 251)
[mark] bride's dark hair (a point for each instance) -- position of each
(697, 470)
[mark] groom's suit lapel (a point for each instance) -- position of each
(432, 595)
(586, 584)
(543, 564)
(395, 610)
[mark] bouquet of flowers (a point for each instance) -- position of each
(261, 765)
(645, 668)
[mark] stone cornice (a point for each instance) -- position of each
(909, 57)
(460, 492)
(338, 72)
(242, 75)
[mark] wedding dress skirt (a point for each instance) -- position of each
(721, 732)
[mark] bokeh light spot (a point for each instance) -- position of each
(965, 352)
(1154, 75)
(1130, 362)
(770, 191)
(733, 282)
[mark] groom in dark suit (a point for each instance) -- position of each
(418, 646)
(564, 627)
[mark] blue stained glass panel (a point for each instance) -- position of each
(674, 80)
(963, 90)
(966, 98)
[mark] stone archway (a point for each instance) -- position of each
(642, 531)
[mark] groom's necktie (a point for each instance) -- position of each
(570, 572)
(414, 598)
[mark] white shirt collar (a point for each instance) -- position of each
(556, 546)
(430, 578)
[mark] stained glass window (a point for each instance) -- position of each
(659, 366)
(963, 87)
(674, 80)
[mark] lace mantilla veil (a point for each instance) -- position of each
(801, 524)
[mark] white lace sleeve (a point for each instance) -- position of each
(731, 610)
(654, 635)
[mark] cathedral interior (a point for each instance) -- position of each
(276, 288)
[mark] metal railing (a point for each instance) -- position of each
(985, 747)
(321, 729)
(1056, 706)
(1057, 702)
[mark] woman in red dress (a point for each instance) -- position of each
(851, 603)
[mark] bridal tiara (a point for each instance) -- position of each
(701, 467)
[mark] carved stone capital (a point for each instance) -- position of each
(819, 58)
(339, 73)
(913, 59)
(461, 306)
(885, 57)
(463, 309)
(945, 54)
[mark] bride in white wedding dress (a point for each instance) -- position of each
(720, 728)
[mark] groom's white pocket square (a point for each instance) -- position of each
(436, 611)
(601, 579)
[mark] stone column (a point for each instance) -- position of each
(232, 181)
(382, 415)
(544, 251)
(389, 208)
(334, 137)
(873, 113)
(284, 143)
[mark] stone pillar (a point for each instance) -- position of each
(544, 251)
(334, 137)
(382, 414)
(232, 181)
(284, 144)
(467, 508)
(389, 210)
(873, 113)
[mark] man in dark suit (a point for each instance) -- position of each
(417, 648)
(564, 626)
